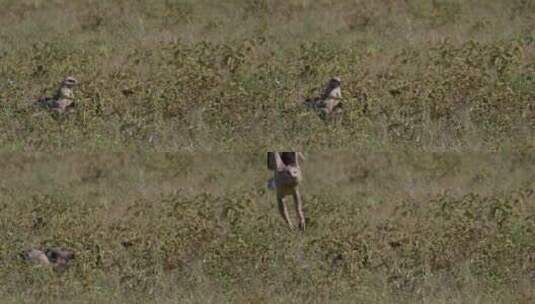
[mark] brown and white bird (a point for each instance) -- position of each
(56, 257)
(63, 100)
(330, 100)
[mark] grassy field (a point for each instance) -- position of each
(423, 192)
(231, 76)
(167, 228)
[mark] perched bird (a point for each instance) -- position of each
(330, 100)
(56, 257)
(64, 97)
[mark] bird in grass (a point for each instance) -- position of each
(329, 102)
(63, 100)
(57, 258)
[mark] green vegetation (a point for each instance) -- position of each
(231, 75)
(388, 228)
(423, 192)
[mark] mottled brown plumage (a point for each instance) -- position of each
(329, 103)
(63, 99)
(57, 258)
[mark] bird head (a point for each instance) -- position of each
(69, 82)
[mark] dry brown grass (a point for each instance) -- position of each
(192, 76)
(415, 206)
(411, 227)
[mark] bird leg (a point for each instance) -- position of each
(284, 211)
(299, 209)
